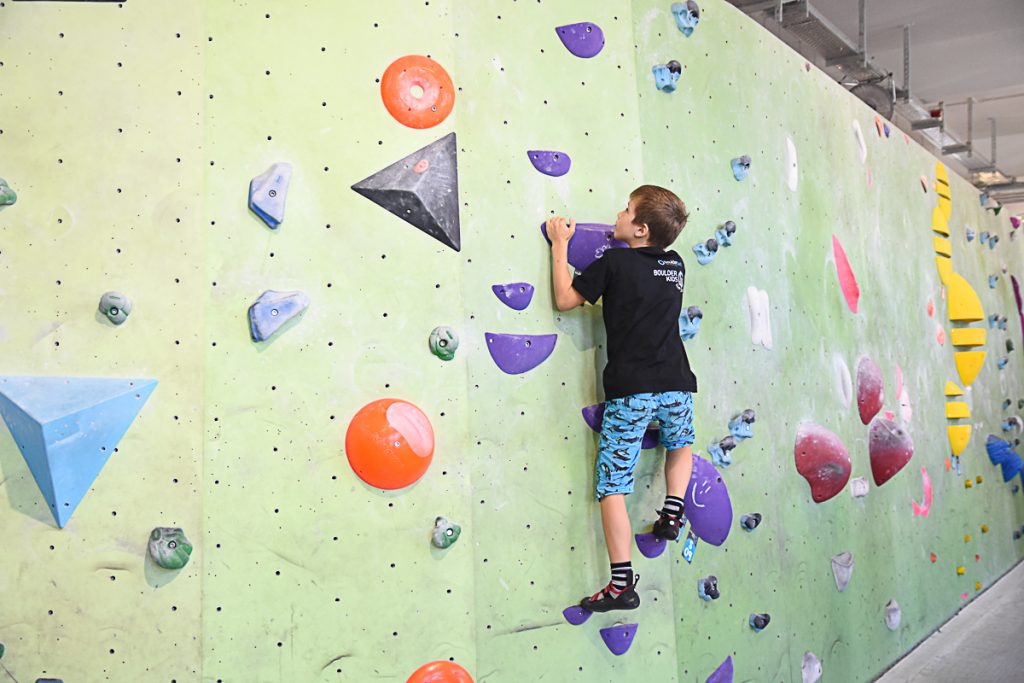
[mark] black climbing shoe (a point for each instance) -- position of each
(667, 527)
(606, 600)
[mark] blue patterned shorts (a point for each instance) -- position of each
(622, 430)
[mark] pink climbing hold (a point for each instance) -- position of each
(821, 459)
(869, 389)
(926, 506)
(847, 280)
(890, 449)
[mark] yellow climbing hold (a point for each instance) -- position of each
(960, 570)
(956, 410)
(968, 336)
(967, 538)
(944, 265)
(968, 364)
(977, 585)
(964, 304)
(984, 528)
(942, 246)
(978, 479)
(953, 390)
(959, 435)
(939, 222)
(942, 189)
(968, 484)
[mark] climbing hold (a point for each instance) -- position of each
(992, 241)
(960, 570)
(169, 547)
(847, 280)
(594, 417)
(1006, 403)
(926, 504)
(967, 538)
(689, 322)
(992, 279)
(272, 310)
(759, 621)
(890, 448)
(115, 306)
(993, 320)
(942, 246)
(440, 671)
(445, 532)
(969, 234)
(1009, 346)
(956, 410)
(1001, 362)
(885, 127)
(584, 39)
(576, 615)
(515, 295)
(968, 364)
(933, 558)
(984, 528)
(417, 91)
(721, 451)
(1002, 322)
(842, 569)
(942, 190)
(649, 545)
(1014, 220)
(550, 162)
(724, 672)
(941, 225)
(268, 191)
(968, 336)
(515, 354)
(706, 251)
(389, 443)
(893, 615)
(443, 342)
(977, 585)
(944, 265)
(810, 670)
(870, 389)
(862, 148)
(67, 427)
(707, 588)
(821, 459)
(964, 305)
(859, 487)
(618, 638)
(842, 381)
(983, 237)
(1013, 423)
(666, 76)
(968, 484)
(427, 199)
(760, 317)
(740, 167)
(1000, 453)
(588, 243)
(723, 235)
(687, 15)
(708, 508)
(792, 171)
(741, 426)
(7, 195)
(750, 522)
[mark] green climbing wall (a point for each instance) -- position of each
(130, 133)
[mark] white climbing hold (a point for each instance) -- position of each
(760, 317)
(842, 569)
(811, 668)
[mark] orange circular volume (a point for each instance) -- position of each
(440, 671)
(389, 443)
(417, 91)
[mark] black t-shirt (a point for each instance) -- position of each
(643, 296)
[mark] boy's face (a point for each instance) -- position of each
(625, 229)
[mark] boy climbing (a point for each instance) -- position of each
(648, 376)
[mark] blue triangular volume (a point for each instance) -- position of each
(67, 427)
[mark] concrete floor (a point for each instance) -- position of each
(983, 643)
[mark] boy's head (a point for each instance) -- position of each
(654, 216)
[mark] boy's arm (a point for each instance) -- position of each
(561, 283)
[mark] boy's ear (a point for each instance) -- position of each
(642, 230)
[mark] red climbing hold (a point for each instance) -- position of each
(890, 448)
(821, 459)
(847, 280)
(389, 444)
(869, 389)
(441, 671)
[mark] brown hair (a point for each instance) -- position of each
(662, 211)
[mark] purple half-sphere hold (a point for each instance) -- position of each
(707, 503)
(584, 39)
(550, 162)
(576, 615)
(650, 546)
(618, 638)
(594, 417)
(588, 243)
(517, 353)
(723, 674)
(515, 295)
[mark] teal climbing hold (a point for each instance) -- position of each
(67, 427)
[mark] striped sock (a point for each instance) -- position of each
(622, 576)
(673, 506)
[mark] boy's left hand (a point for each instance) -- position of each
(560, 232)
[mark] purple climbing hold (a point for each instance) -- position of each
(576, 615)
(650, 546)
(550, 162)
(515, 295)
(515, 354)
(584, 39)
(589, 242)
(594, 417)
(618, 638)
(707, 503)
(723, 674)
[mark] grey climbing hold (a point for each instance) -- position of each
(421, 189)
(893, 615)
(751, 521)
(116, 306)
(268, 191)
(842, 569)
(443, 342)
(759, 621)
(7, 195)
(445, 532)
(707, 588)
(272, 310)
(169, 547)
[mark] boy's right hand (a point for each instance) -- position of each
(559, 231)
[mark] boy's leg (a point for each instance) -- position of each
(675, 412)
(618, 536)
(678, 468)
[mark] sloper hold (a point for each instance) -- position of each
(576, 615)
(942, 246)
(968, 336)
(649, 545)
(890, 449)
(618, 638)
(272, 310)
(268, 191)
(944, 265)
(708, 507)
(956, 410)
(515, 354)
(821, 459)
(810, 670)
(67, 427)
(515, 295)
(939, 222)
(422, 189)
(584, 39)
(870, 394)
(968, 365)
(847, 280)
(550, 162)
(842, 569)
(964, 304)
(588, 243)
(723, 674)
